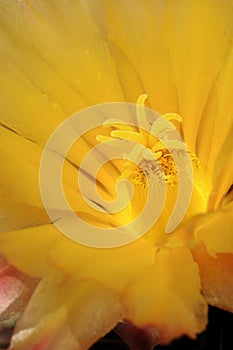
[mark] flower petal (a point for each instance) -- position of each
(15, 215)
(217, 117)
(28, 249)
(37, 249)
(135, 31)
(114, 268)
(53, 63)
(15, 291)
(137, 338)
(197, 34)
(167, 296)
(222, 171)
(216, 277)
(19, 177)
(215, 230)
(214, 254)
(67, 314)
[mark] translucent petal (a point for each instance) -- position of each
(167, 295)
(212, 249)
(216, 277)
(71, 314)
(15, 291)
(215, 230)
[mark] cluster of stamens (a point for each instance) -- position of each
(161, 163)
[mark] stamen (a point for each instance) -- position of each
(102, 138)
(157, 158)
(128, 135)
(141, 99)
(150, 155)
(117, 123)
(141, 116)
(159, 146)
(153, 157)
(158, 126)
(173, 116)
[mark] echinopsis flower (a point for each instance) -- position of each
(59, 57)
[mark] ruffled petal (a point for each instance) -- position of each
(167, 295)
(114, 268)
(213, 251)
(66, 314)
(214, 229)
(37, 249)
(216, 277)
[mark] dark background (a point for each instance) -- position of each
(218, 336)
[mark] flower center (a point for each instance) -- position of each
(153, 161)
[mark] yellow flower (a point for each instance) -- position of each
(58, 57)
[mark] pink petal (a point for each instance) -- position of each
(15, 291)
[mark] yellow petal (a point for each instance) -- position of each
(167, 296)
(24, 108)
(114, 268)
(215, 230)
(39, 248)
(53, 63)
(212, 249)
(17, 51)
(15, 215)
(216, 277)
(27, 249)
(197, 35)
(218, 115)
(19, 177)
(72, 313)
(135, 30)
(222, 171)
(130, 81)
(66, 37)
